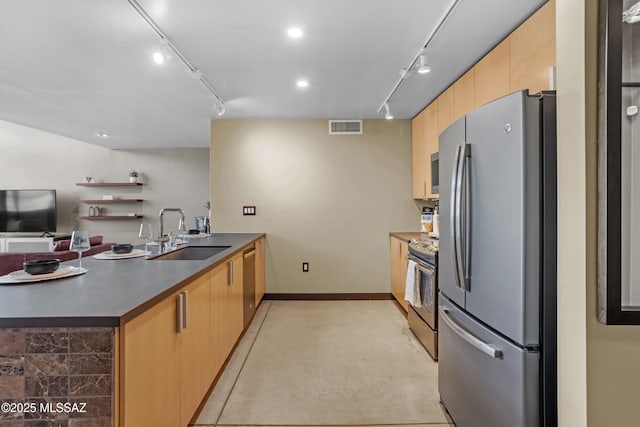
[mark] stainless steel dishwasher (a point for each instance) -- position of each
(249, 283)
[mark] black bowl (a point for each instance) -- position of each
(43, 266)
(123, 248)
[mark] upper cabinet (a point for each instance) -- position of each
(445, 110)
(418, 156)
(464, 94)
(532, 51)
(431, 123)
(492, 75)
(424, 140)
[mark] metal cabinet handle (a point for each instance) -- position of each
(179, 312)
(185, 311)
(471, 339)
(230, 281)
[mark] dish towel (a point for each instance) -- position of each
(412, 287)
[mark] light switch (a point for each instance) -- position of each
(305, 267)
(248, 210)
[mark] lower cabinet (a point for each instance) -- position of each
(170, 354)
(260, 270)
(399, 250)
(226, 308)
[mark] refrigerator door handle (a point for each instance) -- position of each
(452, 217)
(457, 214)
(465, 216)
(468, 337)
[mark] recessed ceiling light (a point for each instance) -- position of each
(102, 134)
(158, 58)
(295, 32)
(302, 83)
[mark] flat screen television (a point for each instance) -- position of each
(23, 211)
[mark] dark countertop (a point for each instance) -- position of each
(406, 236)
(112, 291)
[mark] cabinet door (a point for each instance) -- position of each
(260, 270)
(533, 51)
(227, 317)
(196, 346)
(394, 251)
(398, 270)
(431, 144)
(446, 110)
(464, 93)
(492, 75)
(404, 263)
(236, 292)
(220, 309)
(418, 156)
(150, 373)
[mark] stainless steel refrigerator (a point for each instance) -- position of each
(497, 264)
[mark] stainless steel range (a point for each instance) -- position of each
(423, 319)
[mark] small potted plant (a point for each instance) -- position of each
(133, 176)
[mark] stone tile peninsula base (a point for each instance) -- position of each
(57, 376)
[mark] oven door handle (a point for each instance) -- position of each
(420, 265)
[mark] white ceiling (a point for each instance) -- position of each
(81, 67)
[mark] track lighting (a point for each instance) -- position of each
(419, 61)
(167, 50)
(423, 68)
(388, 114)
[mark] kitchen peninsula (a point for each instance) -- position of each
(123, 340)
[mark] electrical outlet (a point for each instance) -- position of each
(248, 210)
(305, 267)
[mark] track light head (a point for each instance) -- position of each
(387, 114)
(219, 108)
(424, 67)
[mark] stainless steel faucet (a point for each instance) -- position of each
(181, 226)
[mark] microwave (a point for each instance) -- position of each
(435, 187)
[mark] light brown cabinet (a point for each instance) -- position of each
(226, 307)
(260, 270)
(167, 388)
(150, 392)
(464, 94)
(424, 140)
(446, 111)
(492, 75)
(399, 261)
(170, 354)
(532, 50)
(196, 371)
(418, 156)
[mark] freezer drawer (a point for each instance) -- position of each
(484, 380)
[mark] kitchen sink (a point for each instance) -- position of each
(190, 253)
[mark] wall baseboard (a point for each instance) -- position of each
(329, 297)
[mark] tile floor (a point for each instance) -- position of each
(327, 363)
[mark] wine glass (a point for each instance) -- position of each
(145, 233)
(80, 243)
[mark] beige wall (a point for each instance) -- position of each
(30, 158)
(572, 226)
(328, 200)
(598, 365)
(613, 352)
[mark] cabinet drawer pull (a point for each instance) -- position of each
(179, 312)
(230, 272)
